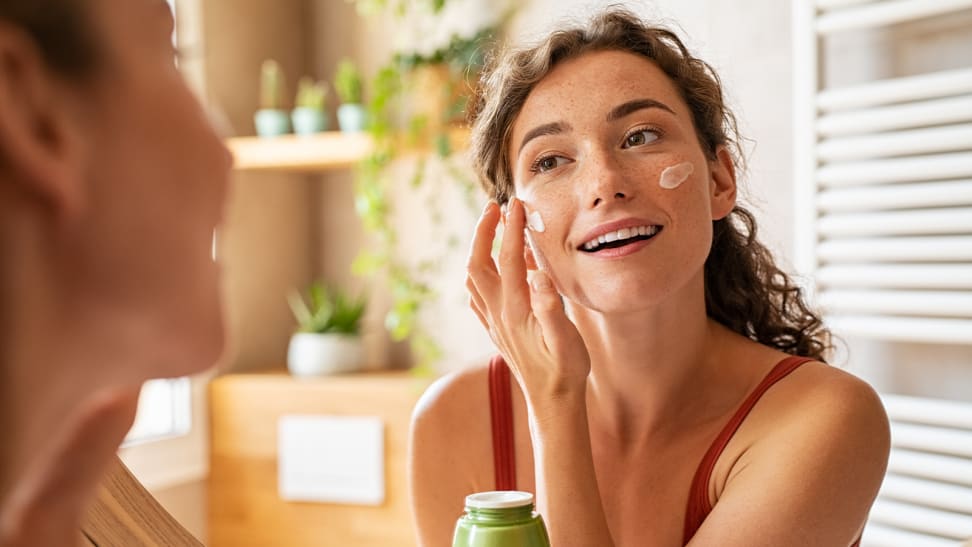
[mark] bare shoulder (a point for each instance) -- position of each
(449, 451)
(451, 403)
(821, 432)
(828, 397)
(829, 405)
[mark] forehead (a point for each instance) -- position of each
(593, 82)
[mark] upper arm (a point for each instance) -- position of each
(442, 455)
(813, 480)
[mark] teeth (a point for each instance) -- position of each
(623, 233)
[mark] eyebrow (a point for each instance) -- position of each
(553, 128)
(624, 109)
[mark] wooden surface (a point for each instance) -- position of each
(320, 152)
(315, 153)
(244, 507)
(126, 515)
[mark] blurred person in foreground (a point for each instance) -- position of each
(111, 184)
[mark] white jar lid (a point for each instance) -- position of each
(500, 499)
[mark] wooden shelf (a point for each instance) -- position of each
(310, 153)
(315, 153)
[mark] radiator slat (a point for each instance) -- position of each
(931, 85)
(824, 5)
(937, 495)
(910, 169)
(932, 439)
(877, 535)
(897, 249)
(900, 116)
(930, 466)
(885, 13)
(904, 329)
(924, 303)
(951, 220)
(899, 276)
(948, 138)
(919, 519)
(936, 412)
(896, 196)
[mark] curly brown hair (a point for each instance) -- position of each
(744, 288)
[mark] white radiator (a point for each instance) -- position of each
(926, 498)
(884, 184)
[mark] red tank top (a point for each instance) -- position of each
(504, 455)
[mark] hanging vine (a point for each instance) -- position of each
(395, 126)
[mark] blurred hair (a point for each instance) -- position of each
(744, 288)
(62, 30)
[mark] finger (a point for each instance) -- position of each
(479, 313)
(476, 302)
(548, 308)
(512, 266)
(481, 268)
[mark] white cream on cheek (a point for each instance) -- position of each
(673, 176)
(535, 222)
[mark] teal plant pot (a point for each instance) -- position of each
(352, 117)
(308, 121)
(271, 123)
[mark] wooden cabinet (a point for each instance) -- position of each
(244, 506)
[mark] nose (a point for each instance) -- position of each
(607, 181)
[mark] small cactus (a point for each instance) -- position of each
(271, 85)
(347, 82)
(311, 94)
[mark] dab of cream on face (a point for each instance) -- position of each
(535, 222)
(673, 176)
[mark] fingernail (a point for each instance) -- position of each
(540, 282)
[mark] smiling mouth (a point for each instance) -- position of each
(620, 238)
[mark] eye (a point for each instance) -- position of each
(546, 163)
(641, 136)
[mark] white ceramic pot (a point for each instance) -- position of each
(312, 354)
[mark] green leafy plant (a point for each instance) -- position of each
(427, 136)
(311, 94)
(271, 85)
(327, 310)
(348, 82)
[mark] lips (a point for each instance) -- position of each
(620, 238)
(618, 234)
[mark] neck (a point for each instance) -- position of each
(58, 353)
(645, 364)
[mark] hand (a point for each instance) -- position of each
(526, 321)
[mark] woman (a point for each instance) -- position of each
(660, 394)
(111, 183)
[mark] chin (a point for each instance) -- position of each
(196, 338)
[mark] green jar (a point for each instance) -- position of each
(500, 519)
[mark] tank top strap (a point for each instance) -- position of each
(501, 416)
(698, 502)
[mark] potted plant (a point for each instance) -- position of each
(347, 82)
(328, 337)
(309, 116)
(271, 120)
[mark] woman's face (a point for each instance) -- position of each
(588, 151)
(156, 177)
